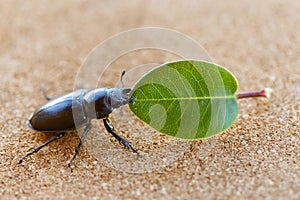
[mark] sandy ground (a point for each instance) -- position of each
(43, 44)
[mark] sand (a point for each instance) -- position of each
(44, 43)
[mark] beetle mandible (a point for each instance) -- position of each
(57, 115)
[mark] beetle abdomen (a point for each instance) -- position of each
(64, 113)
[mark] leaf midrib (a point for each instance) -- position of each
(188, 98)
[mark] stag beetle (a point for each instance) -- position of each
(76, 109)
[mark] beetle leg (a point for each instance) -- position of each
(110, 128)
(60, 135)
(86, 130)
(45, 94)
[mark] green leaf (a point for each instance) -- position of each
(187, 99)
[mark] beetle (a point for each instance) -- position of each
(75, 110)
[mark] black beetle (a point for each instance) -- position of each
(76, 109)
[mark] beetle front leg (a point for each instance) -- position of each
(60, 135)
(110, 128)
(86, 130)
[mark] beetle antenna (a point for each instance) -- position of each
(122, 86)
(121, 79)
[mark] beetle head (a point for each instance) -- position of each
(119, 96)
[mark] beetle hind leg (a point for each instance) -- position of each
(110, 128)
(35, 150)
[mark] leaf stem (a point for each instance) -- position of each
(260, 93)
